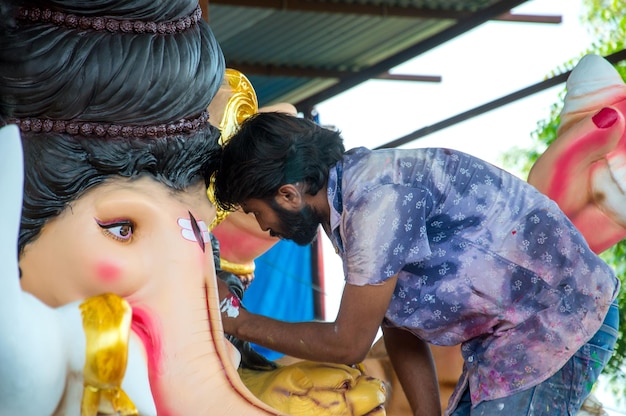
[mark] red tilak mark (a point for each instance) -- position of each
(605, 118)
(108, 272)
(234, 300)
(513, 232)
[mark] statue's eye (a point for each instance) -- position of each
(346, 385)
(119, 230)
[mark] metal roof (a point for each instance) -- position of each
(307, 51)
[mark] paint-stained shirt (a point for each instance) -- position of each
(483, 259)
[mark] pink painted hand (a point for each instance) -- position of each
(584, 169)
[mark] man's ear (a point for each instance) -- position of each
(290, 196)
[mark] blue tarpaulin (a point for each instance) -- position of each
(283, 286)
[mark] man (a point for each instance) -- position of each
(438, 247)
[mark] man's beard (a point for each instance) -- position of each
(300, 226)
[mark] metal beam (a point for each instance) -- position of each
(377, 10)
(507, 99)
(530, 18)
(409, 77)
(346, 8)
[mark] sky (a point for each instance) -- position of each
(489, 62)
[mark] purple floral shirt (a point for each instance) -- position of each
(483, 259)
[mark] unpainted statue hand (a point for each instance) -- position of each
(322, 389)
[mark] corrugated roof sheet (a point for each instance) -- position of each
(301, 51)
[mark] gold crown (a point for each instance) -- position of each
(241, 103)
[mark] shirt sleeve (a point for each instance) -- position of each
(384, 229)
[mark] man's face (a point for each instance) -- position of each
(299, 226)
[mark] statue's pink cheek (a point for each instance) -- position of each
(107, 272)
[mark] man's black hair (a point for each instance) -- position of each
(273, 149)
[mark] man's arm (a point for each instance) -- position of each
(414, 365)
(345, 341)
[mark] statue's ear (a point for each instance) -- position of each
(11, 188)
(296, 380)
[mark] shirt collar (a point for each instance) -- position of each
(335, 175)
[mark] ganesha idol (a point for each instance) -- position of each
(108, 288)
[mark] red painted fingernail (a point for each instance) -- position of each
(605, 118)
